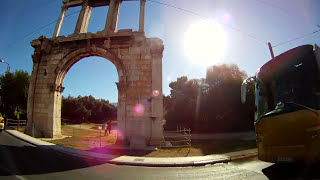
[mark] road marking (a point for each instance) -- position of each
(11, 173)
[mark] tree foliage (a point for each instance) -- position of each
(14, 93)
(14, 98)
(87, 109)
(212, 104)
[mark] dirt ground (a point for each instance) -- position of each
(90, 138)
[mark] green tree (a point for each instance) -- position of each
(225, 111)
(87, 109)
(181, 104)
(14, 93)
(212, 104)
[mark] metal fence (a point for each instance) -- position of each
(176, 139)
(16, 123)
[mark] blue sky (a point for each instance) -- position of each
(272, 21)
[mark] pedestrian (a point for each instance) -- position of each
(109, 126)
(105, 127)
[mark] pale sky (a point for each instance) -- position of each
(274, 21)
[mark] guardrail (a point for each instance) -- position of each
(176, 139)
(16, 123)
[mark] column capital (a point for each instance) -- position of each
(64, 7)
(58, 88)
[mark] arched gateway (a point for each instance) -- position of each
(138, 61)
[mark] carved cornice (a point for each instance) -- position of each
(41, 46)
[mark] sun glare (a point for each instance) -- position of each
(205, 43)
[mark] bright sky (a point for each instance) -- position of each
(274, 21)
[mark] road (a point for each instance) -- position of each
(20, 160)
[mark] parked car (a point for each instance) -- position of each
(1, 123)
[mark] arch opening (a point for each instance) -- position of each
(72, 58)
(114, 102)
(89, 100)
(92, 77)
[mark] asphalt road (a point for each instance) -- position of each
(20, 160)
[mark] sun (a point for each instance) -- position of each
(205, 43)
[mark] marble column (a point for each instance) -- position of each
(60, 21)
(84, 18)
(110, 16)
(141, 18)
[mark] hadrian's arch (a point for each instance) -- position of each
(138, 61)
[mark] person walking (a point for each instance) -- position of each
(109, 127)
(105, 127)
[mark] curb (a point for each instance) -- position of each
(194, 163)
(250, 155)
(131, 163)
(169, 164)
(24, 140)
(59, 150)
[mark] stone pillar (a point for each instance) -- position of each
(84, 17)
(121, 110)
(31, 98)
(141, 18)
(114, 25)
(57, 102)
(60, 21)
(157, 99)
(111, 13)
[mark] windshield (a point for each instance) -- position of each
(291, 82)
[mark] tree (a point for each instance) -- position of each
(181, 104)
(227, 112)
(87, 109)
(14, 93)
(212, 104)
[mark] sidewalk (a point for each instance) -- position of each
(139, 161)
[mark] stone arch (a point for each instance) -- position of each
(70, 59)
(138, 61)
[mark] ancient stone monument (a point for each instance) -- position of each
(138, 61)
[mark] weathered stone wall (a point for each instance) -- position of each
(139, 63)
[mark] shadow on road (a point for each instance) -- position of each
(292, 171)
(27, 160)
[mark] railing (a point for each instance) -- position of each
(16, 123)
(176, 139)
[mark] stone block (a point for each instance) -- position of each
(124, 51)
(134, 50)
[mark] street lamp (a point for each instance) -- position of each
(8, 66)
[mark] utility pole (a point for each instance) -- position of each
(271, 50)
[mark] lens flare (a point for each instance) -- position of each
(155, 93)
(138, 110)
(225, 18)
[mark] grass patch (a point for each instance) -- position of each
(223, 146)
(205, 147)
(87, 137)
(84, 139)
